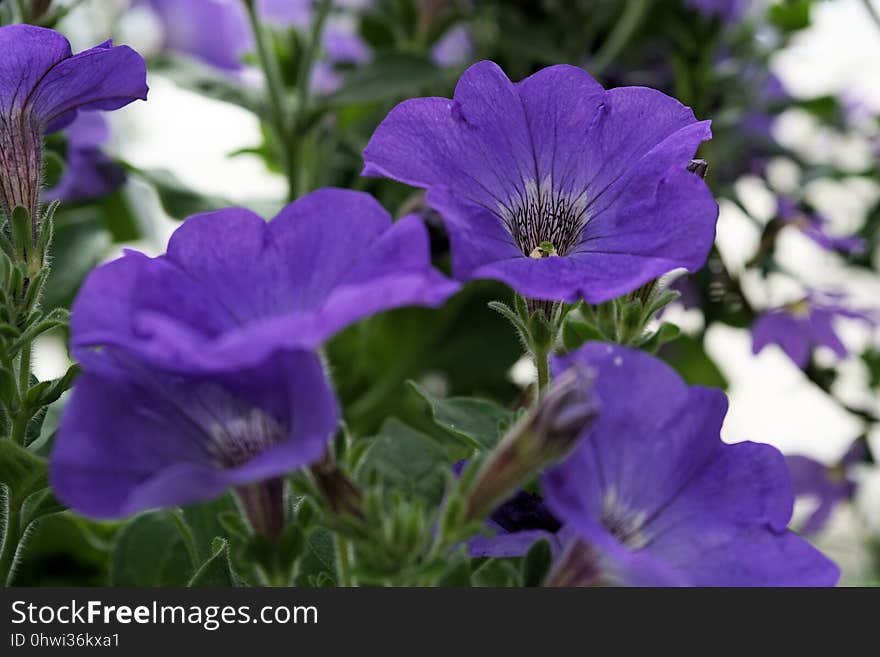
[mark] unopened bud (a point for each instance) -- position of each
(545, 435)
(338, 490)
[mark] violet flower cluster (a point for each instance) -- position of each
(204, 371)
(204, 358)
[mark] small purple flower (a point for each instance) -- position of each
(233, 289)
(814, 226)
(655, 498)
(803, 325)
(89, 173)
(134, 438)
(215, 32)
(553, 185)
(828, 486)
(342, 46)
(454, 48)
(728, 11)
(42, 86)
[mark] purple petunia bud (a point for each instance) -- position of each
(546, 434)
(343, 496)
(263, 506)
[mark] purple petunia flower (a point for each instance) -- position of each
(215, 32)
(655, 498)
(828, 486)
(553, 185)
(42, 86)
(799, 327)
(135, 438)
(89, 172)
(813, 226)
(342, 46)
(233, 289)
(454, 48)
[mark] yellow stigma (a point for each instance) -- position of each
(801, 307)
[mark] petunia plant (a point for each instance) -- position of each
(452, 351)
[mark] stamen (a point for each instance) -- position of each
(622, 523)
(543, 221)
(238, 440)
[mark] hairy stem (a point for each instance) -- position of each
(343, 561)
(542, 364)
(23, 417)
(11, 538)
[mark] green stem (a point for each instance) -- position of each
(623, 31)
(269, 65)
(303, 92)
(188, 540)
(11, 538)
(343, 559)
(542, 364)
(23, 417)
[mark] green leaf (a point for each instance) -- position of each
(119, 217)
(388, 77)
(217, 570)
(790, 15)
(479, 423)
(536, 564)
(576, 331)
(39, 504)
(497, 573)
(150, 551)
(317, 567)
(46, 392)
(80, 242)
(687, 356)
(22, 471)
(205, 523)
(407, 460)
(458, 574)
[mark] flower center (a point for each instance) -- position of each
(623, 523)
(236, 441)
(544, 221)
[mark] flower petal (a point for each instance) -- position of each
(29, 53)
(101, 78)
(784, 329)
(659, 426)
(138, 439)
(477, 144)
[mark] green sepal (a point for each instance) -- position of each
(536, 563)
